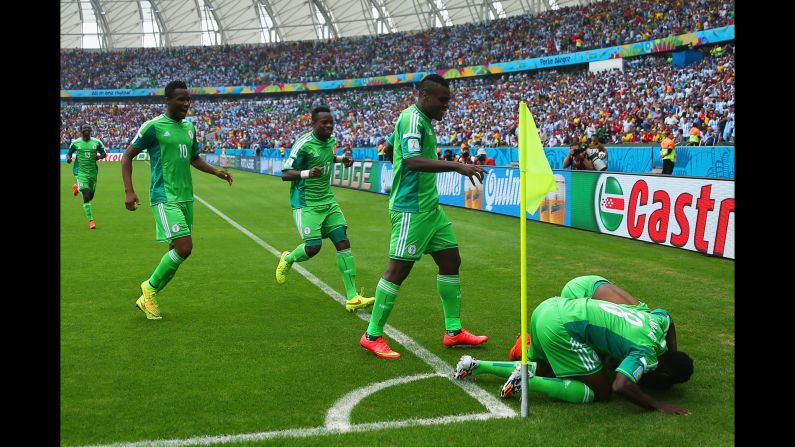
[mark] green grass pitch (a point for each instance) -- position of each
(238, 354)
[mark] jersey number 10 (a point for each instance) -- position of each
(183, 151)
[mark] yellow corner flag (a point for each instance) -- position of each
(533, 161)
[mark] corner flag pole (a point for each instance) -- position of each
(523, 270)
(523, 150)
(535, 181)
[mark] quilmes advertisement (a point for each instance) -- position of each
(501, 195)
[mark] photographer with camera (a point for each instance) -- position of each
(577, 159)
(597, 153)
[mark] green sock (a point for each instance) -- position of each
(572, 391)
(87, 209)
(347, 266)
(298, 255)
(168, 266)
(385, 295)
(500, 369)
(449, 287)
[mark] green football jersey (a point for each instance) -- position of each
(631, 337)
(308, 152)
(86, 160)
(414, 136)
(171, 147)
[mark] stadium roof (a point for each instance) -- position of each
(111, 24)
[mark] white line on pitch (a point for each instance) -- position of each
(301, 432)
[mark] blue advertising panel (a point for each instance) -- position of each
(451, 188)
(700, 161)
(629, 159)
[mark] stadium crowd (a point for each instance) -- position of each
(565, 30)
(631, 106)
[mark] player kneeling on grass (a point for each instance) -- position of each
(569, 336)
(317, 214)
(598, 288)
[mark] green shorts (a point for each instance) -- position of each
(550, 342)
(316, 222)
(414, 234)
(85, 182)
(582, 286)
(172, 220)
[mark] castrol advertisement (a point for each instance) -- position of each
(691, 213)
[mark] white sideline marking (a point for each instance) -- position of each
(300, 432)
(486, 399)
(337, 418)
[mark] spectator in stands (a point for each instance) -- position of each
(555, 99)
(728, 131)
(448, 155)
(464, 156)
(483, 159)
(708, 139)
(563, 30)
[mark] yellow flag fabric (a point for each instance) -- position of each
(533, 163)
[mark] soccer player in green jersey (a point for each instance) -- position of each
(571, 336)
(88, 150)
(419, 224)
(173, 148)
(317, 215)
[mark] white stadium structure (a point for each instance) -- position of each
(117, 24)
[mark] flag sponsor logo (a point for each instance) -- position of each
(610, 202)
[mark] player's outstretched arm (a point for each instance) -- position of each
(131, 201)
(622, 385)
(199, 163)
(430, 165)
